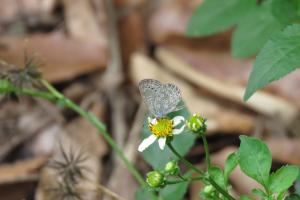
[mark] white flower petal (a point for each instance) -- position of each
(162, 142)
(153, 121)
(146, 143)
(149, 119)
(177, 120)
(178, 131)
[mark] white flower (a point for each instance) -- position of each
(161, 128)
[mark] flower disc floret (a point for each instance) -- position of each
(163, 127)
(196, 123)
(172, 168)
(155, 179)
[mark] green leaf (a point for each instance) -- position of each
(174, 191)
(230, 163)
(297, 185)
(258, 192)
(283, 178)
(213, 16)
(255, 159)
(286, 11)
(217, 175)
(280, 56)
(182, 143)
(281, 195)
(4, 86)
(144, 193)
(293, 197)
(254, 30)
(245, 197)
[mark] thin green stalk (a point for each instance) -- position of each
(27, 92)
(209, 179)
(101, 127)
(185, 180)
(207, 156)
(181, 177)
(187, 163)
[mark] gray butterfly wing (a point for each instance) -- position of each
(149, 88)
(161, 99)
(166, 100)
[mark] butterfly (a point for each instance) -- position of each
(160, 99)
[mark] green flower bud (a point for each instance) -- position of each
(155, 179)
(208, 189)
(172, 168)
(196, 123)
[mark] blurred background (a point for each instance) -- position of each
(95, 52)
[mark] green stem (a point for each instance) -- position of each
(207, 156)
(187, 163)
(27, 92)
(101, 127)
(181, 177)
(185, 180)
(209, 179)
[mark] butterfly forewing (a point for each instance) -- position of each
(149, 89)
(161, 99)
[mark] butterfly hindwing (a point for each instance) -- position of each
(161, 99)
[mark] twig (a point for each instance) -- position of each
(114, 76)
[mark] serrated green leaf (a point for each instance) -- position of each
(213, 16)
(255, 159)
(283, 178)
(253, 31)
(230, 163)
(279, 56)
(293, 197)
(182, 143)
(217, 175)
(245, 197)
(286, 11)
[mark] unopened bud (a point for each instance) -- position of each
(155, 179)
(196, 124)
(172, 168)
(208, 189)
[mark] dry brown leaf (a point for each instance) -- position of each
(8, 11)
(62, 58)
(171, 19)
(36, 7)
(285, 150)
(21, 132)
(82, 22)
(81, 137)
(21, 170)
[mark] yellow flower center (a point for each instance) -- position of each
(163, 127)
